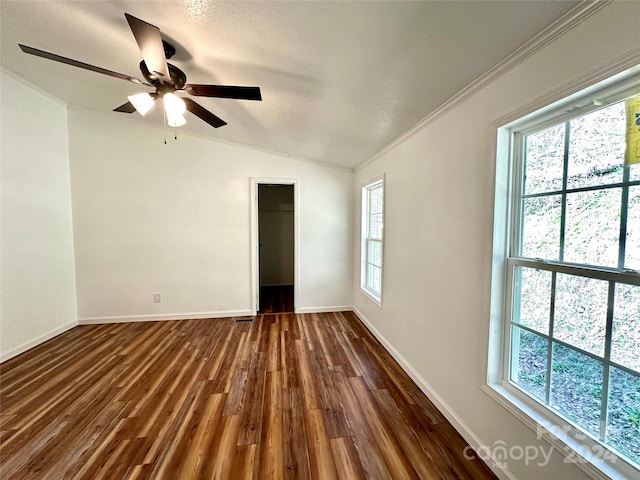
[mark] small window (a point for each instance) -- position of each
(572, 286)
(372, 238)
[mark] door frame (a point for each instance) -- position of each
(255, 249)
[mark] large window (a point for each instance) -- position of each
(372, 238)
(573, 271)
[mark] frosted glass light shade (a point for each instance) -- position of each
(174, 105)
(143, 102)
(176, 121)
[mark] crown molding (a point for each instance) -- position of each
(626, 64)
(565, 23)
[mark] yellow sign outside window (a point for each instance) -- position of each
(632, 154)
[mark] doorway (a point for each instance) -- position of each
(276, 248)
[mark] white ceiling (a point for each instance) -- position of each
(339, 80)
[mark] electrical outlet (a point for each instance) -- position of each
(157, 298)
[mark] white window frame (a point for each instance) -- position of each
(592, 456)
(373, 184)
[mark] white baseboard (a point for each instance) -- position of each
(447, 411)
(342, 308)
(36, 341)
(164, 316)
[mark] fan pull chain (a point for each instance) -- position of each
(164, 127)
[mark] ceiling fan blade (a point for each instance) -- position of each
(224, 91)
(76, 63)
(150, 44)
(125, 108)
(204, 114)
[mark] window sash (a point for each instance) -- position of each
(510, 371)
(518, 196)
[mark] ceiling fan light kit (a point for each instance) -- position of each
(174, 106)
(143, 102)
(167, 79)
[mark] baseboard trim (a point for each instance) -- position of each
(447, 411)
(164, 316)
(37, 341)
(342, 308)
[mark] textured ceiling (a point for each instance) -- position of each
(339, 80)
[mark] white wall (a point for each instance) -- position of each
(175, 219)
(38, 298)
(438, 228)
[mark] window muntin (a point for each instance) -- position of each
(372, 238)
(575, 309)
(632, 247)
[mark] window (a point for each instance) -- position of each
(372, 238)
(572, 329)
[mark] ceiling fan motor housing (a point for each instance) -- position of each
(169, 50)
(178, 77)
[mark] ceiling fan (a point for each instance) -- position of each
(167, 79)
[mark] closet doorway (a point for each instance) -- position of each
(276, 253)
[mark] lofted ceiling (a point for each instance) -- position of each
(339, 80)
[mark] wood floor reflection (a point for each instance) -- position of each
(283, 397)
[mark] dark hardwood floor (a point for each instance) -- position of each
(283, 397)
(276, 299)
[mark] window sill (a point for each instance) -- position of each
(588, 455)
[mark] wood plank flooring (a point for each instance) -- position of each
(276, 299)
(283, 397)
